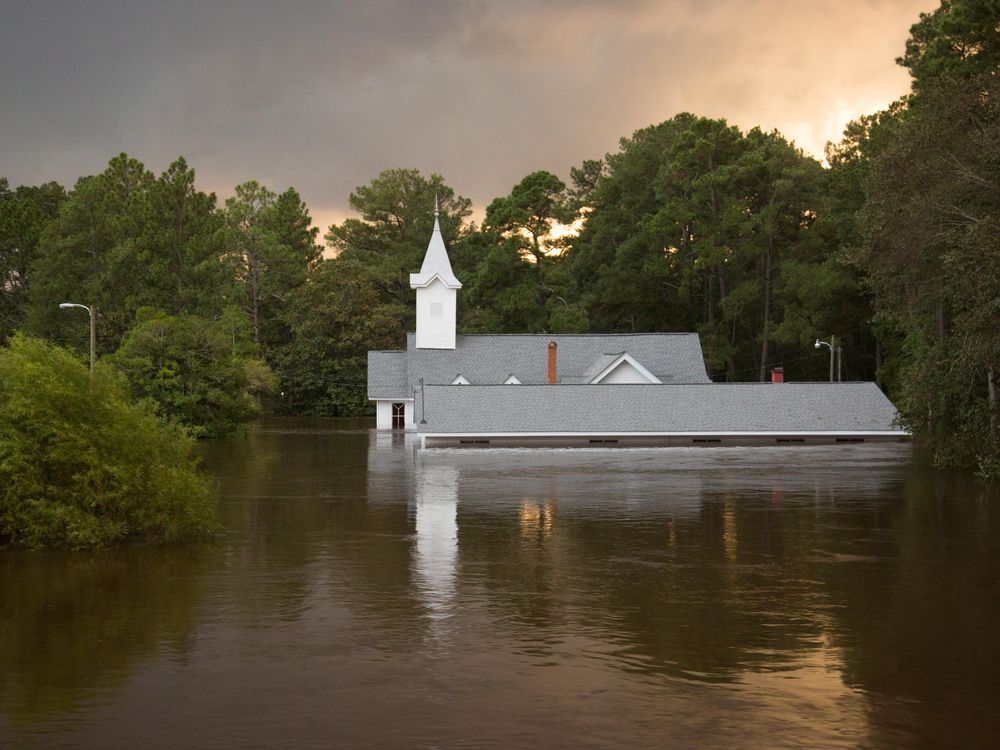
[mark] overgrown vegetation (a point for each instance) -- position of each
(82, 465)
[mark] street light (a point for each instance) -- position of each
(422, 402)
(93, 330)
(831, 345)
(834, 349)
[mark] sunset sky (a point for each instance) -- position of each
(322, 96)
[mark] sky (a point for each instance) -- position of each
(322, 96)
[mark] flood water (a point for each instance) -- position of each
(367, 594)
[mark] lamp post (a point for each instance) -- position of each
(93, 329)
(423, 420)
(831, 345)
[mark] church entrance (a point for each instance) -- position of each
(399, 416)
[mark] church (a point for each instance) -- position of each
(641, 389)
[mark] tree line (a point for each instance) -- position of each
(690, 225)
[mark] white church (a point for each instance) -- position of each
(651, 389)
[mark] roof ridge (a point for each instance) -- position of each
(646, 385)
(576, 335)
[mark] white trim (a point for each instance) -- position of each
(416, 284)
(759, 433)
(459, 380)
(512, 380)
(625, 357)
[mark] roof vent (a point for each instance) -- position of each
(552, 362)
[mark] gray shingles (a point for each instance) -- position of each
(713, 407)
(387, 375)
(489, 359)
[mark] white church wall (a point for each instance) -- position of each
(383, 415)
(436, 316)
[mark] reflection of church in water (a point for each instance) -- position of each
(556, 503)
(521, 490)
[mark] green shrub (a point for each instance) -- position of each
(82, 465)
(186, 365)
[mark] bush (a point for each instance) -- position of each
(186, 365)
(82, 465)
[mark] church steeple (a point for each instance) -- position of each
(436, 262)
(437, 289)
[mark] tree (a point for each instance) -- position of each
(180, 248)
(335, 318)
(187, 367)
(24, 214)
(930, 222)
(90, 253)
(782, 201)
(525, 219)
(960, 39)
(500, 293)
(632, 260)
(82, 465)
(390, 238)
(270, 244)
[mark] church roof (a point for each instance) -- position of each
(436, 262)
(387, 375)
(695, 408)
(491, 359)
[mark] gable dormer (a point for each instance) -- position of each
(437, 290)
(621, 368)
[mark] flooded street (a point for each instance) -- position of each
(367, 594)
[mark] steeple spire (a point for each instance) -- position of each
(436, 262)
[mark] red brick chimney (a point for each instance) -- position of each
(552, 362)
(778, 375)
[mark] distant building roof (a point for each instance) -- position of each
(622, 409)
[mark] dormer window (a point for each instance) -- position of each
(512, 380)
(459, 380)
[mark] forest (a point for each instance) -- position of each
(207, 308)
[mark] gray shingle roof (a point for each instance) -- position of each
(387, 375)
(712, 407)
(490, 359)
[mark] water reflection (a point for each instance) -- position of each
(74, 626)
(366, 593)
(436, 551)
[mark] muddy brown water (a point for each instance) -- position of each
(368, 594)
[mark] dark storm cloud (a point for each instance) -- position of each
(322, 96)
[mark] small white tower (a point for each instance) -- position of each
(437, 291)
